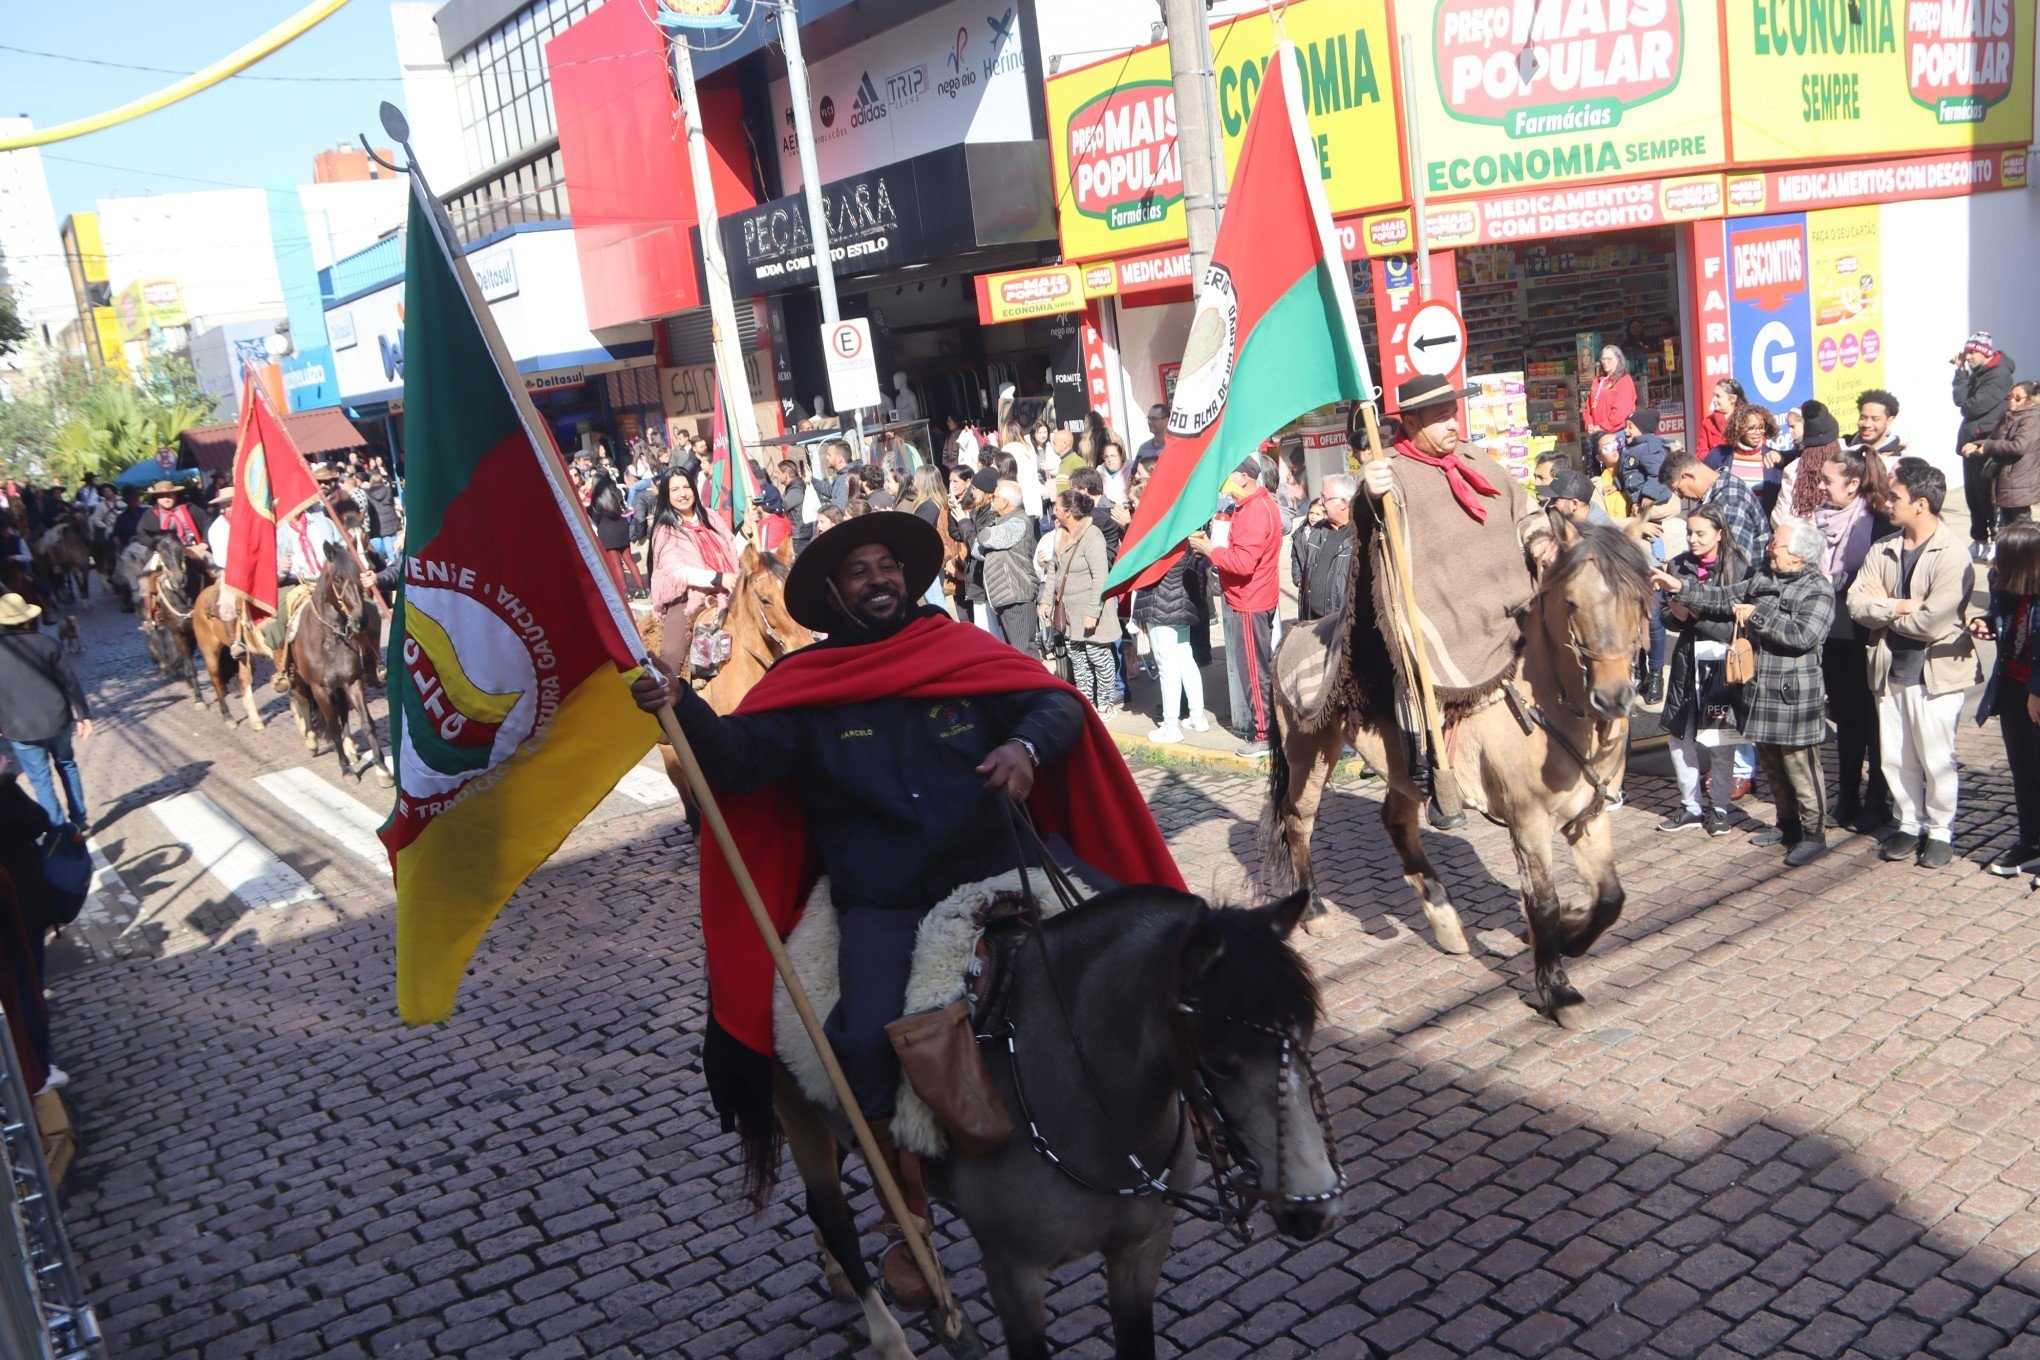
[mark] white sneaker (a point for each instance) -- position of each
(59, 1079)
(1165, 735)
(1200, 723)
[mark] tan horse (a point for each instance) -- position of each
(67, 553)
(215, 638)
(1543, 756)
(760, 629)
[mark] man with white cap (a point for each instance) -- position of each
(1981, 389)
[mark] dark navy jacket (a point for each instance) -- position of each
(897, 814)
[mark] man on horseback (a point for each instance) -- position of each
(1458, 504)
(884, 758)
(173, 533)
(304, 543)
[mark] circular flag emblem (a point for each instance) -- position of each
(473, 693)
(1207, 356)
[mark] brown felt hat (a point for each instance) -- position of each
(913, 541)
(166, 489)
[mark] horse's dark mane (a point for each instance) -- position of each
(1258, 978)
(1622, 564)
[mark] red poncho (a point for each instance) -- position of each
(928, 659)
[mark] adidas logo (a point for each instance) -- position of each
(866, 107)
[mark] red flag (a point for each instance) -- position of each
(271, 483)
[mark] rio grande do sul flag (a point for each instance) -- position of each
(510, 654)
(1273, 336)
(271, 485)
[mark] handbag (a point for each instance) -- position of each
(939, 1055)
(1054, 641)
(67, 868)
(707, 650)
(1739, 667)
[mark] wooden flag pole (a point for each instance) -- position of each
(1444, 784)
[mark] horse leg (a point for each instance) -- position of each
(333, 711)
(1019, 1293)
(219, 668)
(245, 668)
(1544, 915)
(1132, 1274)
(382, 770)
(1399, 811)
(1299, 784)
(815, 1158)
(1593, 850)
(301, 710)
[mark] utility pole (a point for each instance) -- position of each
(1420, 223)
(730, 376)
(1197, 145)
(811, 180)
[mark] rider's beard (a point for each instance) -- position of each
(879, 625)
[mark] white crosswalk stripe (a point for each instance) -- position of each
(108, 903)
(648, 785)
(236, 860)
(340, 817)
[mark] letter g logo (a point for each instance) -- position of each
(1775, 361)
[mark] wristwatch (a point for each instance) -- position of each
(1033, 756)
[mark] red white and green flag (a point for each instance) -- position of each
(510, 652)
(1274, 333)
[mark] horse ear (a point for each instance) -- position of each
(784, 552)
(1282, 917)
(1202, 948)
(750, 560)
(1634, 528)
(1563, 529)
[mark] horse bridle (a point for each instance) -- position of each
(1237, 1175)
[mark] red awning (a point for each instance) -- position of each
(318, 435)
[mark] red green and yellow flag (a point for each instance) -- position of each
(510, 654)
(1274, 333)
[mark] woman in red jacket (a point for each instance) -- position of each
(1612, 399)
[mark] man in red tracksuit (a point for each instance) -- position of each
(1250, 574)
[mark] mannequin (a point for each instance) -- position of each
(904, 401)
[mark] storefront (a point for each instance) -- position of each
(1587, 184)
(586, 386)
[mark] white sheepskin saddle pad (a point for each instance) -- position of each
(945, 956)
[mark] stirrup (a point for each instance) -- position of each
(899, 1272)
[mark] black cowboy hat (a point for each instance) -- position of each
(912, 539)
(1429, 390)
(166, 488)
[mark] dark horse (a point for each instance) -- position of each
(173, 641)
(1544, 755)
(331, 656)
(1186, 1025)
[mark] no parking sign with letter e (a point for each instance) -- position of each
(1769, 316)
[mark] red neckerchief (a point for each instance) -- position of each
(1466, 482)
(179, 521)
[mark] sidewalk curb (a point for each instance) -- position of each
(1182, 753)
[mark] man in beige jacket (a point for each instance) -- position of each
(1910, 597)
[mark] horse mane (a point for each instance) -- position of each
(1622, 564)
(1258, 977)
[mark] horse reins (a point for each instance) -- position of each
(1236, 1173)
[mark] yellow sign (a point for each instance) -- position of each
(1526, 95)
(1048, 290)
(1818, 79)
(146, 306)
(1112, 125)
(1845, 287)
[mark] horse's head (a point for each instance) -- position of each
(1248, 1004)
(340, 583)
(1594, 603)
(757, 615)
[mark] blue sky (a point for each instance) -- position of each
(243, 132)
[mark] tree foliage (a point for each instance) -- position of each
(12, 331)
(71, 420)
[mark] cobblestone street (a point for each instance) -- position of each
(1797, 1129)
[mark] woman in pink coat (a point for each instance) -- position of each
(694, 563)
